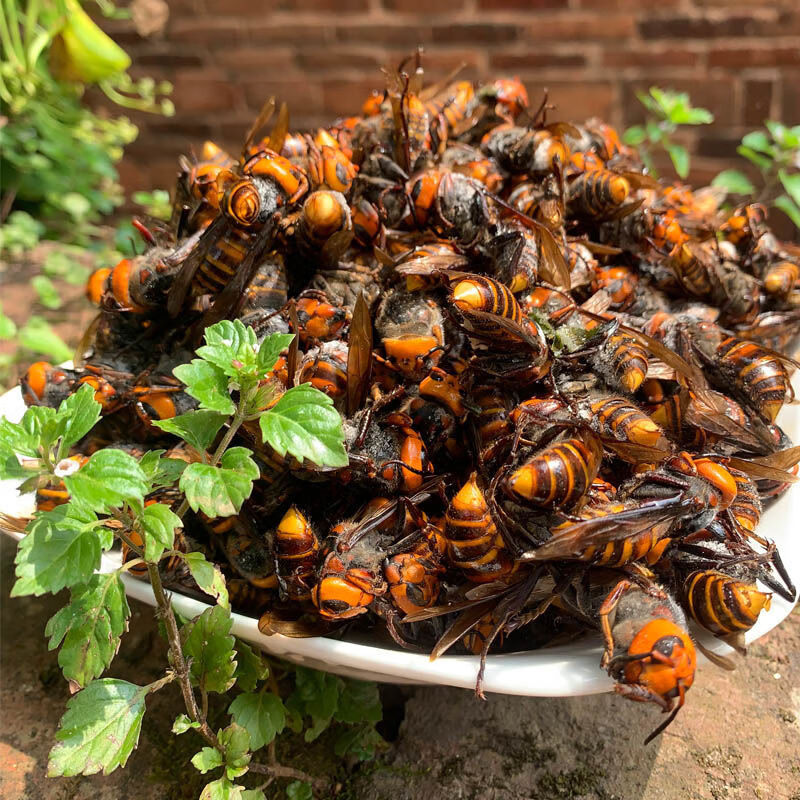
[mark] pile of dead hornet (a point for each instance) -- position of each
(559, 380)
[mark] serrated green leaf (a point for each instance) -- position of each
(158, 523)
(222, 789)
(680, 158)
(305, 424)
(790, 182)
(269, 351)
(299, 790)
(250, 667)
(46, 291)
(230, 346)
(733, 182)
(76, 416)
(220, 491)
(10, 468)
(109, 479)
(209, 645)
(692, 116)
(207, 384)
(36, 429)
(785, 204)
(634, 135)
(762, 162)
(8, 327)
(198, 428)
(62, 548)
(38, 336)
(99, 730)
(208, 577)
(90, 626)
(235, 740)
(207, 759)
(654, 132)
(161, 471)
(262, 714)
(778, 131)
(182, 724)
(316, 694)
(252, 794)
(361, 741)
(359, 702)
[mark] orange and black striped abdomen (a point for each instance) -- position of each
(413, 581)
(619, 282)
(296, 554)
(628, 361)
(723, 605)
(758, 375)
(224, 258)
(556, 477)
(596, 192)
(493, 424)
(618, 418)
(474, 545)
(269, 288)
(746, 506)
(325, 374)
(781, 278)
(481, 294)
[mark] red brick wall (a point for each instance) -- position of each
(739, 58)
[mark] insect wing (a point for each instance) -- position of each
(359, 355)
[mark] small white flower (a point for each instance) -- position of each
(66, 467)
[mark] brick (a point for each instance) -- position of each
(422, 6)
(681, 27)
(332, 60)
(477, 32)
(337, 6)
(790, 97)
(535, 60)
(381, 33)
(201, 92)
(520, 5)
(341, 98)
(754, 57)
(619, 5)
(673, 57)
(757, 102)
(718, 146)
(248, 58)
(168, 60)
(299, 94)
(580, 26)
(206, 32)
(577, 101)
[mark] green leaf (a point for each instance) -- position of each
(692, 116)
(733, 182)
(8, 328)
(361, 741)
(359, 702)
(109, 479)
(76, 416)
(161, 471)
(62, 548)
(90, 627)
(270, 350)
(648, 102)
(38, 336)
(46, 291)
(208, 577)
(220, 491)
(231, 346)
(10, 468)
(209, 645)
(781, 135)
(182, 724)
(35, 429)
(299, 790)
(198, 428)
(207, 384)
(235, 740)
(791, 183)
(762, 162)
(305, 424)
(250, 667)
(222, 789)
(759, 141)
(785, 204)
(158, 522)
(99, 730)
(654, 132)
(316, 694)
(207, 759)
(262, 714)
(680, 158)
(635, 135)
(252, 794)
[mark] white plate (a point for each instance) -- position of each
(554, 672)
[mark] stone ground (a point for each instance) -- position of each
(737, 739)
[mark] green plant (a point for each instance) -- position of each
(62, 549)
(668, 111)
(775, 152)
(58, 155)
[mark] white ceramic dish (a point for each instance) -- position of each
(554, 672)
